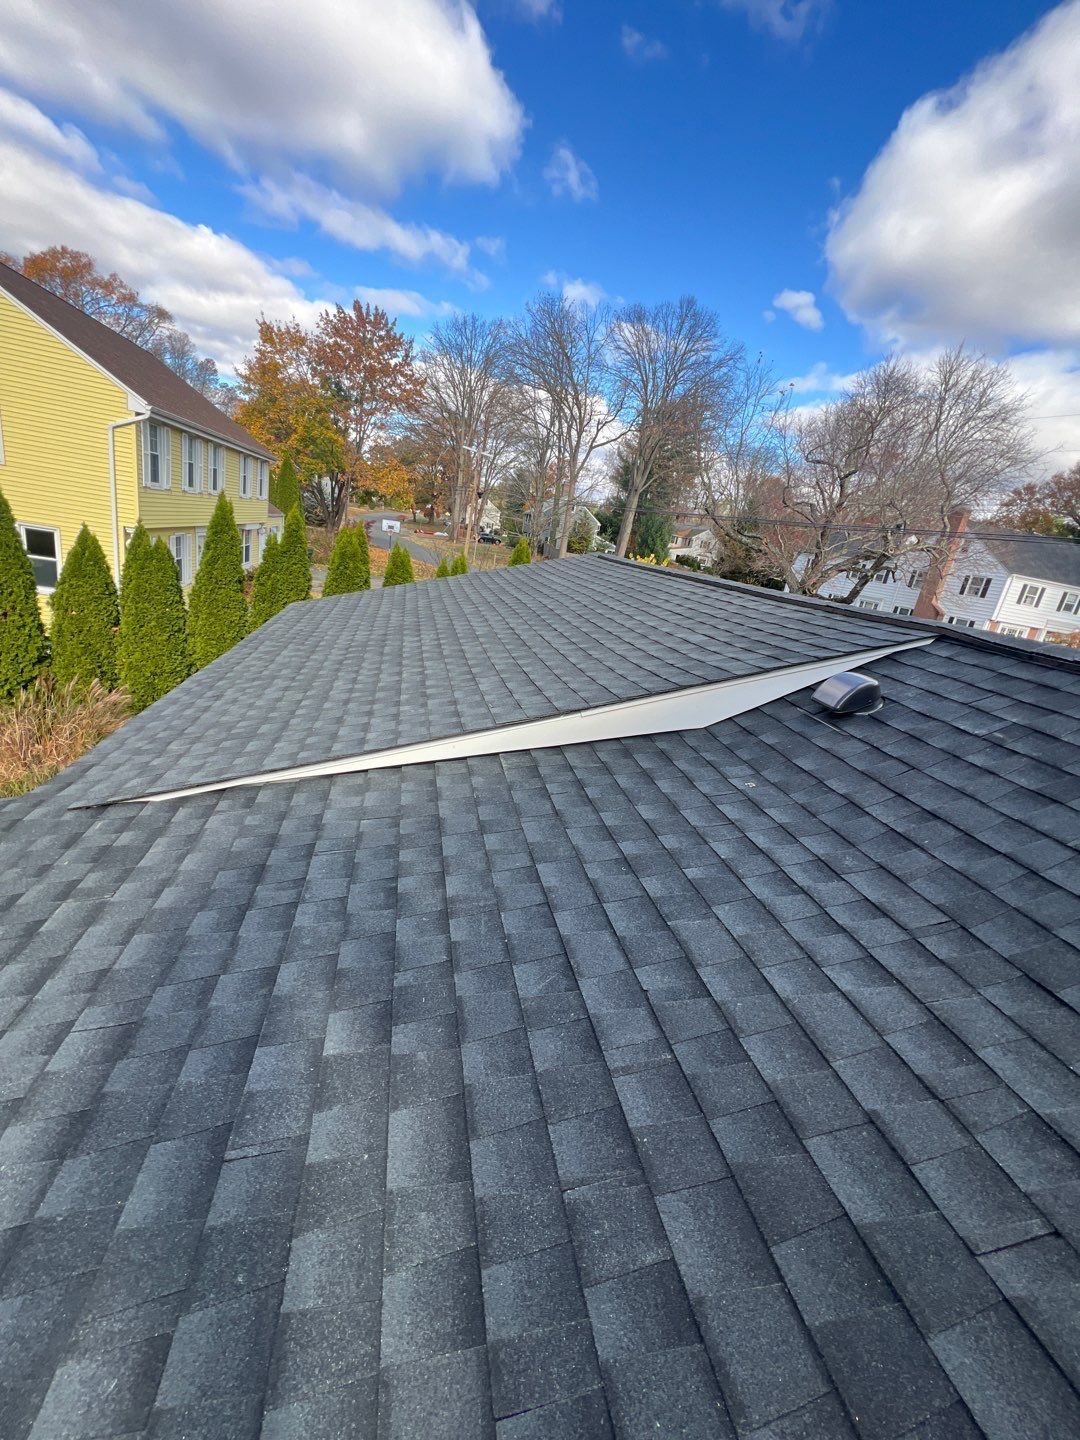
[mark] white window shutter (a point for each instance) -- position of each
(165, 458)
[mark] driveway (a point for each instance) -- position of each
(379, 537)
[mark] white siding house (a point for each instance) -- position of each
(696, 541)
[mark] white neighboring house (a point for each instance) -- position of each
(490, 519)
(696, 541)
(1026, 586)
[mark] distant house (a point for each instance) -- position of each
(93, 428)
(537, 524)
(490, 518)
(697, 542)
(1022, 585)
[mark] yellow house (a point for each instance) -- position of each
(95, 429)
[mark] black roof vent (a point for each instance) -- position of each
(849, 694)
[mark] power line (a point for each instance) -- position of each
(1004, 537)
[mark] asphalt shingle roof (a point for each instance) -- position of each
(705, 1085)
(420, 662)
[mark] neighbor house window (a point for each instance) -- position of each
(977, 586)
(264, 478)
(42, 544)
(916, 579)
(180, 545)
(193, 458)
(246, 463)
(885, 577)
(867, 605)
(960, 622)
(1031, 595)
(901, 610)
(156, 457)
(217, 469)
(1069, 604)
(247, 538)
(1012, 630)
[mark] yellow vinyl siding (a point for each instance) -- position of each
(56, 408)
(179, 509)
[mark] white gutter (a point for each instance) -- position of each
(113, 427)
(692, 708)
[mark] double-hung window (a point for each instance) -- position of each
(885, 576)
(901, 609)
(977, 586)
(1012, 630)
(867, 605)
(264, 479)
(200, 541)
(42, 544)
(246, 464)
(1031, 595)
(193, 462)
(217, 469)
(156, 455)
(247, 539)
(1069, 604)
(960, 621)
(916, 579)
(180, 545)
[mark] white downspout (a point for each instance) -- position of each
(113, 427)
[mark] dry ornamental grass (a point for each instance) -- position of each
(48, 726)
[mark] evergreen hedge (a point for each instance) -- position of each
(285, 486)
(24, 646)
(399, 569)
(295, 573)
(266, 597)
(364, 551)
(345, 573)
(443, 569)
(86, 616)
(217, 610)
(521, 553)
(459, 565)
(152, 649)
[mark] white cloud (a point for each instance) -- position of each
(1051, 381)
(370, 94)
(966, 223)
(640, 48)
(21, 120)
(801, 306)
(819, 380)
(568, 174)
(214, 285)
(574, 289)
(364, 227)
(786, 19)
(494, 246)
(540, 9)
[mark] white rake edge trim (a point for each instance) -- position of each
(693, 708)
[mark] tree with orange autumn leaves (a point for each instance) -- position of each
(328, 396)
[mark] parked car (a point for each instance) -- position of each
(489, 539)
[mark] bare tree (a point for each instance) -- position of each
(560, 350)
(673, 370)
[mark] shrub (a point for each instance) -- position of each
(285, 486)
(152, 651)
(295, 573)
(266, 597)
(48, 725)
(521, 553)
(346, 572)
(86, 616)
(443, 569)
(217, 611)
(399, 569)
(459, 565)
(364, 551)
(24, 646)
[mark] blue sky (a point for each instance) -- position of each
(895, 173)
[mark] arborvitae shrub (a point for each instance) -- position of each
(266, 598)
(459, 565)
(24, 646)
(521, 553)
(86, 616)
(364, 551)
(399, 569)
(217, 610)
(345, 573)
(152, 651)
(285, 486)
(295, 566)
(443, 569)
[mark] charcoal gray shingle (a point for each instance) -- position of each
(719, 1084)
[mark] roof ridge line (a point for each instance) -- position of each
(1057, 657)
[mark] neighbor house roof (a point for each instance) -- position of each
(707, 1084)
(1037, 556)
(147, 377)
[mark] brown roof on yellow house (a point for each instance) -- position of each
(133, 367)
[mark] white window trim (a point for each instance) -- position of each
(247, 546)
(3, 457)
(192, 457)
(262, 479)
(22, 526)
(184, 559)
(961, 622)
(246, 463)
(1019, 630)
(164, 454)
(1074, 608)
(200, 541)
(1039, 591)
(977, 586)
(215, 468)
